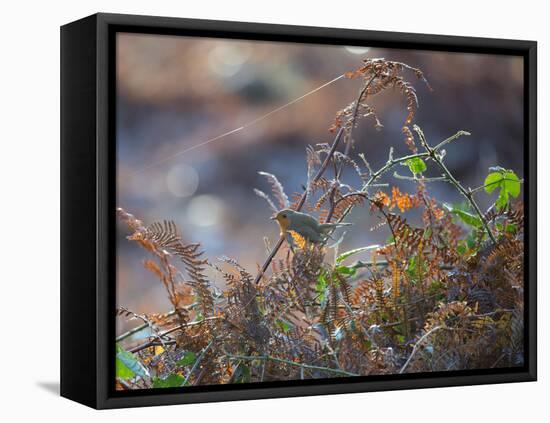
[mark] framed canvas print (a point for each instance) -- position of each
(254, 211)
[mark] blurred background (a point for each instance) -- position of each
(176, 92)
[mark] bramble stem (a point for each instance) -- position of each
(451, 138)
(389, 164)
(467, 194)
(292, 363)
(436, 158)
(415, 179)
(431, 153)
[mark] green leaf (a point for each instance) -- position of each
(508, 183)
(188, 358)
(350, 253)
(428, 232)
(466, 217)
(284, 325)
(466, 247)
(461, 247)
(321, 286)
(492, 181)
(345, 270)
(171, 381)
(511, 228)
(502, 200)
(511, 183)
(471, 241)
(416, 165)
(127, 365)
(122, 371)
(416, 267)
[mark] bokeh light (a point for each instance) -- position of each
(205, 210)
(182, 180)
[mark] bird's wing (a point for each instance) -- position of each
(301, 220)
(309, 233)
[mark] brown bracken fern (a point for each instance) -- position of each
(445, 294)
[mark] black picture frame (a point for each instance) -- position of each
(88, 208)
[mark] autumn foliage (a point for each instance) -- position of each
(444, 294)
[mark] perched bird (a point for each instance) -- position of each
(305, 225)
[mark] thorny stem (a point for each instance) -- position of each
(375, 175)
(467, 194)
(389, 164)
(415, 179)
(292, 363)
(431, 153)
(436, 158)
(451, 138)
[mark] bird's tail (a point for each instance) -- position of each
(329, 226)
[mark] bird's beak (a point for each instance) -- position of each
(273, 217)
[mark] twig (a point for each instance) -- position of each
(389, 164)
(468, 195)
(418, 343)
(498, 360)
(139, 328)
(431, 153)
(348, 138)
(182, 326)
(474, 190)
(451, 138)
(375, 175)
(436, 158)
(383, 263)
(197, 362)
(292, 363)
(147, 323)
(352, 122)
(415, 179)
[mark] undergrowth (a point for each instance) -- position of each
(440, 296)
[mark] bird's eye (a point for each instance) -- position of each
(284, 216)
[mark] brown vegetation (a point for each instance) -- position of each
(440, 296)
